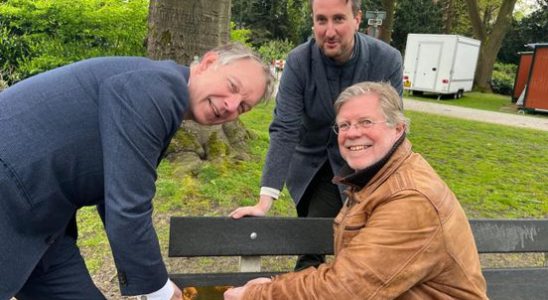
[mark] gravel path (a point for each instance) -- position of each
(509, 119)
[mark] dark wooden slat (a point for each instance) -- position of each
(290, 236)
(502, 284)
(216, 279)
(517, 284)
(510, 236)
(222, 236)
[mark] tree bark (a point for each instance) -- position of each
(182, 30)
(491, 40)
(388, 22)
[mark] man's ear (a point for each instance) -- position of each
(400, 129)
(358, 18)
(209, 59)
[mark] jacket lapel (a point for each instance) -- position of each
(323, 93)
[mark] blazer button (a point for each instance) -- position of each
(50, 240)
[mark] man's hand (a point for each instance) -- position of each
(238, 292)
(177, 294)
(258, 210)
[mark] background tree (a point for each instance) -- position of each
(419, 16)
(181, 30)
(268, 19)
(530, 29)
(491, 35)
(388, 22)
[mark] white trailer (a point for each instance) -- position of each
(440, 63)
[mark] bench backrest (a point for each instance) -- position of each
(251, 238)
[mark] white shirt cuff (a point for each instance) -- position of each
(267, 191)
(162, 294)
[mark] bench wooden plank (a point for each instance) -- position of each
(510, 236)
(216, 279)
(517, 283)
(504, 284)
(223, 236)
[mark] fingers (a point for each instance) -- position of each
(177, 294)
(246, 211)
(234, 293)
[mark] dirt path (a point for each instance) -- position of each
(517, 120)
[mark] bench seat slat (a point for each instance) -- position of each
(216, 279)
(517, 283)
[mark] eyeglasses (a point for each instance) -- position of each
(363, 123)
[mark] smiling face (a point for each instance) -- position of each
(220, 93)
(334, 27)
(363, 147)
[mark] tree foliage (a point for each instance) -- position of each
(38, 35)
(420, 16)
(276, 49)
(530, 29)
(273, 19)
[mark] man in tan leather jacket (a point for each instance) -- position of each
(401, 234)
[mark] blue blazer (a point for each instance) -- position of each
(301, 139)
(88, 134)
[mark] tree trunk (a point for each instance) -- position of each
(448, 16)
(388, 22)
(181, 30)
(491, 41)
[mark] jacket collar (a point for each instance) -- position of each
(378, 172)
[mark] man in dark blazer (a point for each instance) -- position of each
(92, 134)
(303, 150)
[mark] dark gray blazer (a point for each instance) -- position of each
(301, 139)
(88, 134)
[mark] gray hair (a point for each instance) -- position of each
(389, 100)
(356, 5)
(231, 52)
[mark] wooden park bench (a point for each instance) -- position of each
(251, 238)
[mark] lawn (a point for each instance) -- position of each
(495, 171)
(477, 100)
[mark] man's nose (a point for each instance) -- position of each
(232, 103)
(354, 131)
(330, 30)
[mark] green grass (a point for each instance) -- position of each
(477, 100)
(495, 171)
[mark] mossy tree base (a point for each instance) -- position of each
(194, 144)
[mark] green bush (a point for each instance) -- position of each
(241, 35)
(502, 80)
(275, 49)
(38, 35)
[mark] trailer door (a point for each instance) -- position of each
(428, 61)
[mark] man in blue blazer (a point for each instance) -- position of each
(92, 134)
(303, 151)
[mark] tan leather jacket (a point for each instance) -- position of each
(403, 235)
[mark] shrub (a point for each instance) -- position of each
(502, 80)
(275, 49)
